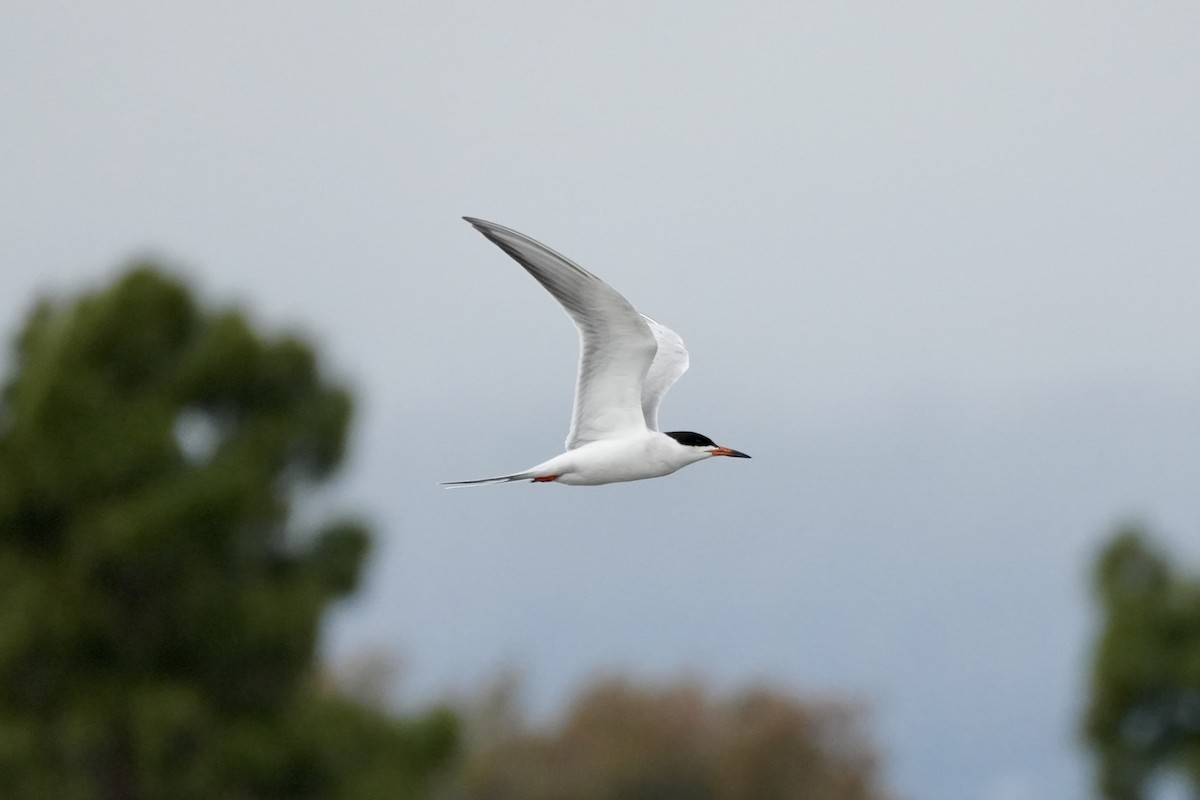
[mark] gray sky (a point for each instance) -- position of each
(938, 266)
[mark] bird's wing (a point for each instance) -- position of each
(670, 362)
(616, 343)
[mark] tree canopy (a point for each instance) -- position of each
(1143, 717)
(678, 741)
(159, 611)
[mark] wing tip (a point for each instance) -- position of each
(497, 234)
(482, 224)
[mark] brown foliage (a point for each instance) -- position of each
(623, 741)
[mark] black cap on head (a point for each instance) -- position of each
(690, 439)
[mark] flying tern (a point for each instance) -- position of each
(627, 363)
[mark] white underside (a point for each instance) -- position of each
(646, 454)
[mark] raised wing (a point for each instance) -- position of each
(616, 343)
(669, 363)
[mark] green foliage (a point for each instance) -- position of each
(158, 616)
(622, 741)
(1144, 711)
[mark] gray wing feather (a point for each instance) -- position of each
(670, 362)
(616, 343)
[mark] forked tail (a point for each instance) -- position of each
(519, 476)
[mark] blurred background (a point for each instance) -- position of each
(937, 266)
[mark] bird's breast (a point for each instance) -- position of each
(616, 460)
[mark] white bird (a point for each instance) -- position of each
(627, 363)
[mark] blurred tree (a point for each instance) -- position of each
(621, 741)
(1144, 712)
(158, 616)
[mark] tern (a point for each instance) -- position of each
(627, 363)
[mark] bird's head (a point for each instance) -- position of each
(701, 446)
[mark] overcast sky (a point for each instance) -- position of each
(937, 263)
